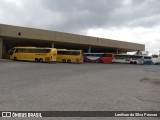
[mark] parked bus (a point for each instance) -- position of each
(120, 58)
(69, 56)
(156, 59)
(99, 57)
(147, 60)
(133, 59)
(33, 54)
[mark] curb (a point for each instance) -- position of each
(5, 60)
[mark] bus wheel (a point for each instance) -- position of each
(36, 60)
(63, 60)
(68, 61)
(135, 62)
(41, 60)
(100, 61)
(15, 58)
(131, 62)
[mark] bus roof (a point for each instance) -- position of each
(35, 47)
(67, 50)
(98, 53)
(94, 53)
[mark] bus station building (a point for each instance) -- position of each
(12, 36)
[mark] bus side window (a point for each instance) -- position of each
(147, 57)
(19, 50)
(108, 55)
(47, 51)
(99, 55)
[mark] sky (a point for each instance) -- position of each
(135, 21)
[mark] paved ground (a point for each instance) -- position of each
(29, 86)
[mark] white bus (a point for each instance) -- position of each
(156, 59)
(140, 59)
(122, 58)
(132, 59)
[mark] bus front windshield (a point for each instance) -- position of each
(11, 51)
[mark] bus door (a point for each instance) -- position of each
(17, 54)
(11, 53)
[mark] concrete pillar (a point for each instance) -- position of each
(3, 51)
(89, 49)
(52, 45)
(1, 48)
(117, 51)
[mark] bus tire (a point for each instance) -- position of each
(100, 61)
(36, 60)
(68, 61)
(131, 62)
(63, 60)
(40, 60)
(15, 59)
(135, 62)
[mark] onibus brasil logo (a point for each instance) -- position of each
(20, 114)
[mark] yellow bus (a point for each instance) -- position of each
(64, 55)
(33, 54)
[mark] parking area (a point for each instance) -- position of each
(26, 86)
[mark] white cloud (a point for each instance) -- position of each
(18, 3)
